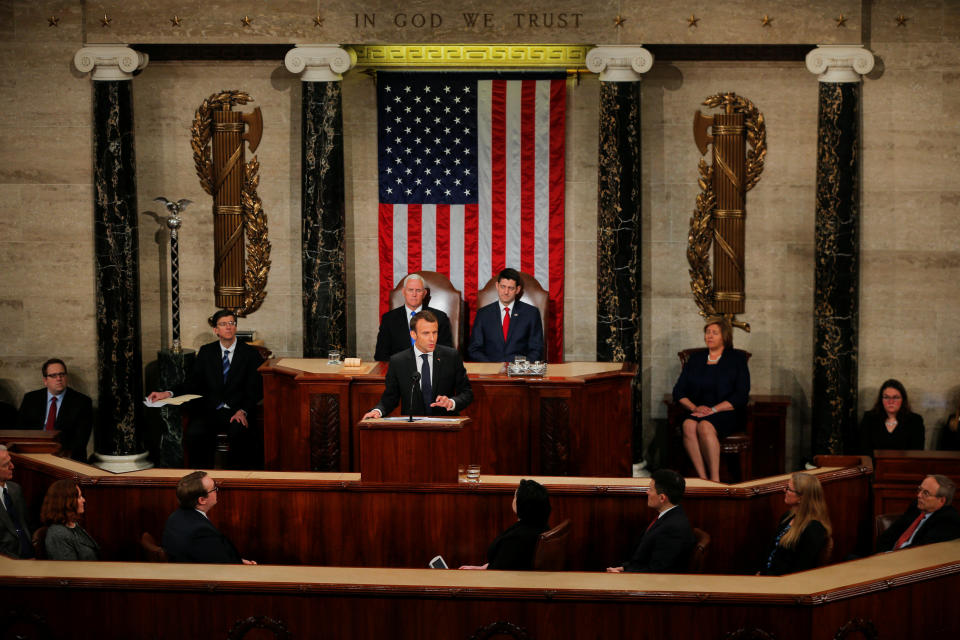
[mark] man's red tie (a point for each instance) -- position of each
(506, 322)
(909, 532)
(51, 416)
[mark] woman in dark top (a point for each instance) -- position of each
(66, 539)
(891, 424)
(713, 387)
(803, 530)
(515, 547)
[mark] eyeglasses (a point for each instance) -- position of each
(62, 374)
(229, 323)
(926, 494)
(891, 398)
(793, 491)
(214, 490)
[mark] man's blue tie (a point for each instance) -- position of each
(426, 386)
(412, 313)
(226, 364)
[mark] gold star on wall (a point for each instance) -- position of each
(245, 21)
(902, 20)
(106, 20)
(618, 21)
(766, 21)
(318, 21)
(53, 21)
(841, 21)
(692, 21)
(175, 21)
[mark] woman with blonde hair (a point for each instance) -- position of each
(804, 530)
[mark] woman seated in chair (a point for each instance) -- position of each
(61, 512)
(714, 387)
(891, 424)
(515, 547)
(803, 531)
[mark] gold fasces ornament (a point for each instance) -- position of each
(719, 217)
(217, 138)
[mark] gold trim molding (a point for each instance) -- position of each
(472, 55)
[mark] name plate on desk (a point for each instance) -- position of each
(426, 450)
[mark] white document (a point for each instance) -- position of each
(174, 400)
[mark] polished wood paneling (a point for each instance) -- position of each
(577, 425)
(418, 452)
(334, 519)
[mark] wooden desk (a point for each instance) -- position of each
(898, 473)
(414, 452)
(335, 519)
(576, 421)
(908, 594)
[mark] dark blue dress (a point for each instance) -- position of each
(711, 384)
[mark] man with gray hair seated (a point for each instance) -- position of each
(394, 334)
(932, 519)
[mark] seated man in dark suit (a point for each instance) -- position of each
(666, 545)
(14, 532)
(931, 519)
(508, 327)
(438, 371)
(394, 334)
(225, 375)
(58, 407)
(189, 536)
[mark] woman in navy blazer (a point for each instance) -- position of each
(713, 387)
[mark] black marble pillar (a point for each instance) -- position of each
(837, 264)
(167, 445)
(323, 256)
(618, 233)
(119, 359)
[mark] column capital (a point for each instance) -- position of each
(839, 62)
(319, 62)
(110, 61)
(619, 62)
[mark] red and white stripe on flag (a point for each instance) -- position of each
(515, 218)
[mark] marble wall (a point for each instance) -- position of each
(910, 314)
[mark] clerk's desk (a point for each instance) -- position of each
(906, 594)
(575, 421)
(338, 519)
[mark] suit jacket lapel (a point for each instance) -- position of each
(5, 516)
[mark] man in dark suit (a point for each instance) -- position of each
(932, 519)
(666, 545)
(58, 407)
(189, 536)
(508, 327)
(394, 334)
(225, 375)
(14, 532)
(433, 374)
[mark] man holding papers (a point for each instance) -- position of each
(429, 375)
(225, 375)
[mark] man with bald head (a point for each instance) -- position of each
(394, 334)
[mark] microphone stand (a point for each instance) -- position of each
(413, 390)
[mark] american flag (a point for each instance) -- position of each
(471, 171)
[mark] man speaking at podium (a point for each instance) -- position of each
(429, 375)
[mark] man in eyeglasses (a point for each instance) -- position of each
(189, 536)
(225, 376)
(58, 407)
(931, 519)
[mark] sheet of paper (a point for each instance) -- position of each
(175, 400)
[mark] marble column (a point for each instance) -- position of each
(117, 441)
(322, 210)
(837, 246)
(619, 210)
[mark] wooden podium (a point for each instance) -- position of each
(426, 450)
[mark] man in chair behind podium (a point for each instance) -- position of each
(394, 334)
(432, 374)
(508, 327)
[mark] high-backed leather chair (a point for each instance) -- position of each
(532, 293)
(823, 558)
(699, 555)
(551, 551)
(151, 549)
(441, 294)
(40, 543)
(736, 445)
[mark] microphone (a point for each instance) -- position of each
(415, 379)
